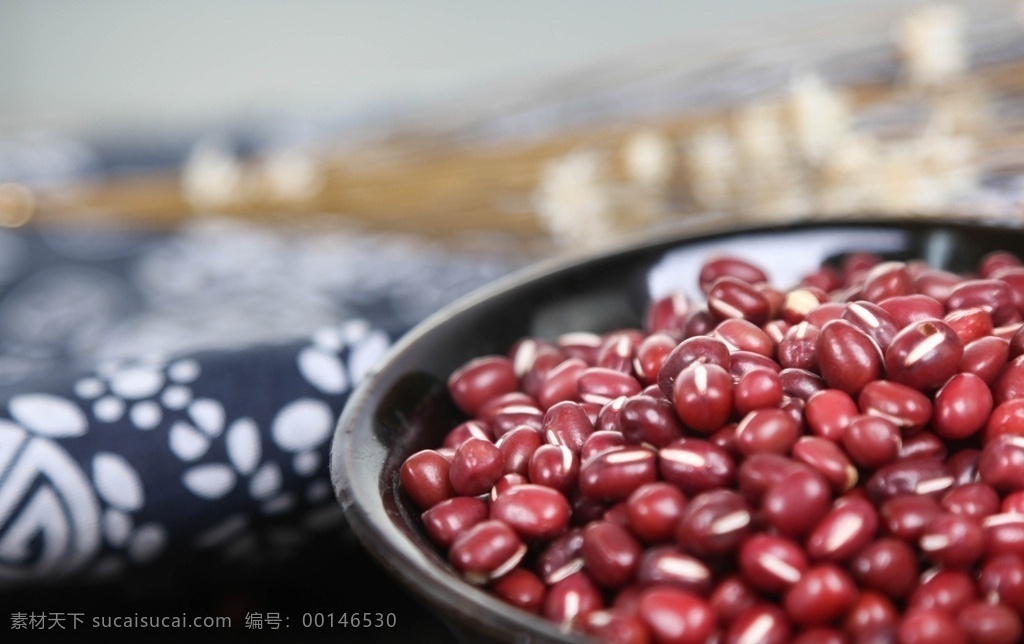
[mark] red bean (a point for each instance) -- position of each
(759, 472)
(762, 623)
(871, 613)
(651, 355)
(675, 615)
(952, 540)
(667, 313)
(795, 504)
(700, 349)
(560, 382)
(766, 430)
(566, 423)
(654, 510)
(827, 459)
(962, 407)
(848, 358)
(849, 526)
(946, 590)
(714, 522)
(561, 557)
(581, 345)
(801, 301)
(729, 266)
(645, 419)
(444, 521)
(610, 553)
(486, 551)
(917, 476)
(772, 564)
(555, 466)
(887, 279)
(1002, 578)
(829, 412)
(1004, 534)
(973, 500)
(696, 465)
(799, 347)
(905, 516)
(991, 295)
(536, 512)
(481, 379)
(872, 441)
(969, 324)
(924, 355)
(741, 335)
(731, 597)
(888, 565)
(601, 385)
(522, 589)
(910, 309)
(668, 565)
(990, 623)
(615, 626)
(424, 477)
(985, 358)
(617, 350)
(929, 626)
(765, 464)
(906, 407)
(824, 593)
(571, 599)
(702, 395)
(757, 389)
(1002, 463)
(614, 475)
(517, 447)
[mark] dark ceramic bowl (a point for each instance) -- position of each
(403, 405)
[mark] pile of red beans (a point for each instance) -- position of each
(842, 461)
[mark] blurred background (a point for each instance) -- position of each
(215, 217)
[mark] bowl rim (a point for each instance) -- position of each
(404, 560)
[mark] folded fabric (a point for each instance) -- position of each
(166, 395)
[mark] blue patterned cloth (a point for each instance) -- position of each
(170, 398)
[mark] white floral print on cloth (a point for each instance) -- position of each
(138, 461)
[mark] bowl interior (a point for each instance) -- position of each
(403, 406)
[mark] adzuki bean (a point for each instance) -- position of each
(840, 460)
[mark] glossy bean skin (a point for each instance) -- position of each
(611, 554)
(772, 563)
(849, 526)
(888, 565)
(486, 551)
(872, 441)
(446, 520)
(676, 615)
(906, 407)
(570, 600)
(796, 504)
(824, 593)
(714, 523)
(615, 474)
(695, 350)
(695, 465)
(654, 510)
(848, 358)
(535, 512)
(521, 588)
(923, 355)
(702, 395)
(962, 407)
(829, 412)
(732, 298)
(672, 566)
(646, 419)
(725, 265)
(425, 479)
(481, 379)
(762, 622)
